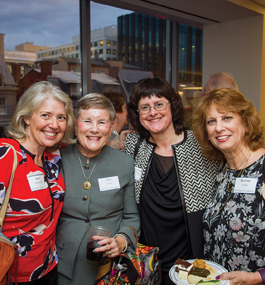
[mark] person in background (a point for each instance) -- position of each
(219, 80)
(99, 183)
(43, 119)
(172, 178)
(228, 128)
(118, 136)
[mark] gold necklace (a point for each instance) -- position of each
(86, 184)
(228, 183)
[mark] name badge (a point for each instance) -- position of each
(137, 173)
(109, 183)
(36, 181)
(245, 185)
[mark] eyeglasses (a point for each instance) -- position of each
(159, 106)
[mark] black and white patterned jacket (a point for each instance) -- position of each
(196, 175)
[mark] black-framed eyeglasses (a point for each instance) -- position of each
(159, 106)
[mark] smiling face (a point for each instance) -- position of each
(46, 126)
(156, 122)
(93, 130)
(226, 130)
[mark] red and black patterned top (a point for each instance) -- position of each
(34, 207)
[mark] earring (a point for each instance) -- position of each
(118, 120)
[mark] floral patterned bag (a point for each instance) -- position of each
(140, 267)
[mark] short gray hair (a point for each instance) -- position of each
(97, 101)
(31, 101)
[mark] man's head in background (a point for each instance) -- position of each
(218, 80)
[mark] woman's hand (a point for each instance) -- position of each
(242, 278)
(111, 246)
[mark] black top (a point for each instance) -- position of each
(161, 213)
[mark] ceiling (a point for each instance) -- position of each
(193, 12)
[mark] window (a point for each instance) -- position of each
(114, 51)
(38, 55)
(68, 49)
(101, 51)
(64, 50)
(52, 52)
(72, 48)
(77, 47)
(60, 50)
(76, 55)
(95, 44)
(2, 105)
(101, 43)
(108, 51)
(49, 53)
(45, 54)
(114, 43)
(56, 51)
(108, 43)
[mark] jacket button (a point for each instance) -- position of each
(85, 198)
(87, 221)
(86, 167)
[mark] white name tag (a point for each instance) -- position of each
(36, 181)
(109, 183)
(137, 173)
(245, 185)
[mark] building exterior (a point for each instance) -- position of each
(71, 50)
(103, 46)
(8, 91)
(142, 42)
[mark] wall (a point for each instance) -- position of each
(236, 47)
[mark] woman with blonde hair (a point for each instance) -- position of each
(43, 118)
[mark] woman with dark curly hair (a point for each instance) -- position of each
(172, 178)
(228, 128)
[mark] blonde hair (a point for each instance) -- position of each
(31, 101)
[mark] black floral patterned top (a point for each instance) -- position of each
(234, 223)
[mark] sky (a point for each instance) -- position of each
(49, 22)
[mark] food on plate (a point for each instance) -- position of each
(195, 272)
(193, 279)
(183, 274)
(183, 265)
(211, 282)
(200, 272)
(201, 263)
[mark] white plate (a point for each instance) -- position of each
(174, 276)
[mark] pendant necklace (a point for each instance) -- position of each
(229, 190)
(87, 184)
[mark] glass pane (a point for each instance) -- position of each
(42, 46)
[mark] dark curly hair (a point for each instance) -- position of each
(160, 88)
(230, 100)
